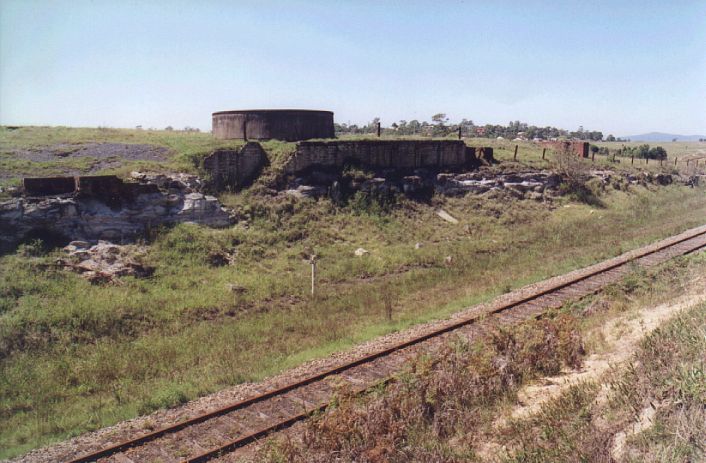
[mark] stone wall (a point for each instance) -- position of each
(404, 155)
(229, 168)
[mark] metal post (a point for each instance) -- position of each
(593, 156)
(647, 160)
(544, 151)
(459, 133)
(632, 160)
(675, 161)
(378, 130)
(515, 157)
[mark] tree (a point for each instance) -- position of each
(610, 138)
(414, 126)
(657, 153)
(440, 118)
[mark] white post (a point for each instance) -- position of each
(312, 260)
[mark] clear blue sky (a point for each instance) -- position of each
(623, 67)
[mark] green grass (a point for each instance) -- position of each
(184, 149)
(75, 356)
(447, 405)
(529, 155)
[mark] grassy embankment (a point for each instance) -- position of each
(651, 409)
(75, 357)
(455, 405)
(184, 151)
(530, 155)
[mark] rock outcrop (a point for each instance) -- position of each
(106, 208)
(105, 262)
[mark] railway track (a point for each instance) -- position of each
(225, 430)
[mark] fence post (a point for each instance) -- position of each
(312, 261)
(613, 156)
(660, 162)
(378, 130)
(593, 156)
(515, 157)
(632, 159)
(459, 133)
(544, 151)
(675, 160)
(647, 160)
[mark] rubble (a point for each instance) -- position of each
(105, 262)
(535, 185)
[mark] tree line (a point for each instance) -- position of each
(440, 127)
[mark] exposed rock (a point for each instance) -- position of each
(105, 262)
(118, 212)
(172, 183)
(361, 252)
(306, 191)
(446, 216)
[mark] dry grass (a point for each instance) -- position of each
(446, 407)
(439, 399)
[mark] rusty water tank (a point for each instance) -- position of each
(279, 124)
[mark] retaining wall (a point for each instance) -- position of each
(235, 168)
(395, 154)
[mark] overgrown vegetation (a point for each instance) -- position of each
(667, 375)
(442, 397)
(450, 405)
(233, 305)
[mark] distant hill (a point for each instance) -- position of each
(659, 136)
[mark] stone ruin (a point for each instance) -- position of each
(401, 155)
(580, 148)
(232, 169)
(92, 208)
(235, 168)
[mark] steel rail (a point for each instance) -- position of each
(140, 440)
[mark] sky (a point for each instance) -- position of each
(622, 67)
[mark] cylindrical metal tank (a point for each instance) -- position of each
(280, 124)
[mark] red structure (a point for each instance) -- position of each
(581, 148)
